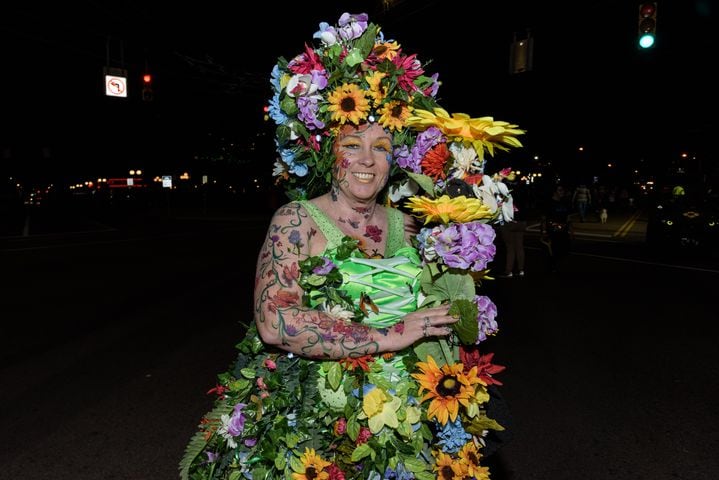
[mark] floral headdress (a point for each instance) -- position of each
(354, 75)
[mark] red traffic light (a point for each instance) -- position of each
(647, 9)
(147, 78)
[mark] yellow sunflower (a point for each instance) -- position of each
(448, 387)
(445, 209)
(376, 91)
(469, 456)
(348, 103)
(393, 115)
(482, 133)
(312, 467)
(386, 50)
(447, 468)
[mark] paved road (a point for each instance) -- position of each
(111, 339)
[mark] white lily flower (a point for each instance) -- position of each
(464, 158)
(300, 85)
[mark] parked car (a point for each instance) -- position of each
(684, 219)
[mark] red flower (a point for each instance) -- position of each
(335, 472)
(340, 427)
(474, 179)
(359, 362)
(363, 436)
(219, 390)
(411, 68)
(304, 63)
(434, 161)
(470, 357)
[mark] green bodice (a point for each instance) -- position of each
(392, 283)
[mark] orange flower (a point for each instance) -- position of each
(434, 161)
(358, 362)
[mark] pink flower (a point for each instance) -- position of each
(270, 365)
(363, 436)
(340, 427)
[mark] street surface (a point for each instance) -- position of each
(112, 333)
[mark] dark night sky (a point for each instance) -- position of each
(210, 62)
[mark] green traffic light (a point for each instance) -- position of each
(646, 40)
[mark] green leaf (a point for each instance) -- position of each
(425, 476)
(234, 475)
(280, 462)
(414, 465)
(427, 348)
(316, 280)
(334, 376)
(453, 286)
(296, 465)
(353, 428)
(354, 57)
(467, 328)
(248, 373)
(425, 182)
(361, 452)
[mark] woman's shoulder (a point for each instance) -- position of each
(294, 213)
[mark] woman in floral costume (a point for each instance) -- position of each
(362, 360)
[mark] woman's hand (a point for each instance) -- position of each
(429, 322)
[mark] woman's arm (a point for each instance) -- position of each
(282, 321)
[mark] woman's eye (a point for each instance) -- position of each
(351, 146)
(382, 148)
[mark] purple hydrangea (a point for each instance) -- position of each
(469, 246)
(486, 315)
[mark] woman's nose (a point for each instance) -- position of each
(367, 157)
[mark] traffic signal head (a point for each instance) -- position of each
(647, 24)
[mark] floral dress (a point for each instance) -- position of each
(278, 415)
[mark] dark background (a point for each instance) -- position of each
(590, 84)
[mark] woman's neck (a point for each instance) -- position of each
(344, 209)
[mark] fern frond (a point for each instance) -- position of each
(198, 442)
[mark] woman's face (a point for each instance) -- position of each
(364, 155)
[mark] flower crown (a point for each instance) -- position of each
(355, 76)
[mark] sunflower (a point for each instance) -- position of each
(348, 102)
(387, 50)
(469, 457)
(448, 387)
(376, 91)
(393, 115)
(312, 467)
(482, 133)
(445, 209)
(447, 468)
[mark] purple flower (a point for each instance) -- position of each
(468, 246)
(352, 25)
(487, 312)
(237, 421)
(325, 268)
(308, 112)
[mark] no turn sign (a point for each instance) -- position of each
(115, 86)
